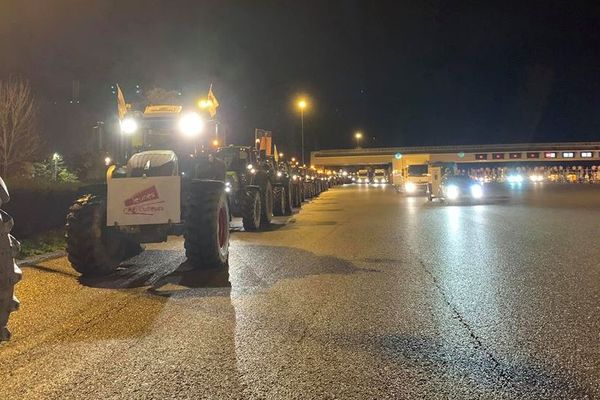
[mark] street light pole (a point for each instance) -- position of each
(302, 123)
(302, 103)
(55, 158)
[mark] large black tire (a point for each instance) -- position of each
(206, 225)
(92, 247)
(297, 196)
(287, 209)
(251, 210)
(266, 200)
(10, 274)
(279, 200)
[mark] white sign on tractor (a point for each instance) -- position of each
(144, 201)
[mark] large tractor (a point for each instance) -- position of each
(166, 185)
(10, 274)
(249, 186)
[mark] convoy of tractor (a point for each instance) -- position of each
(168, 180)
(165, 177)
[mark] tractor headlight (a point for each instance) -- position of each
(476, 191)
(410, 187)
(295, 177)
(191, 124)
(279, 174)
(452, 192)
(129, 126)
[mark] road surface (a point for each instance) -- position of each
(364, 294)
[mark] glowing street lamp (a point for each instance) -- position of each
(358, 136)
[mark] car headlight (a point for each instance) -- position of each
(129, 125)
(191, 124)
(410, 187)
(476, 191)
(515, 178)
(452, 192)
(536, 178)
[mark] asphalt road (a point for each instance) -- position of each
(363, 294)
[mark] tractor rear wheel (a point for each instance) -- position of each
(92, 247)
(10, 274)
(279, 200)
(206, 226)
(251, 210)
(287, 209)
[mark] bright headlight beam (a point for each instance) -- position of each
(410, 187)
(191, 124)
(476, 191)
(129, 126)
(452, 192)
(515, 178)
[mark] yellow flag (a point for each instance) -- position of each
(213, 103)
(275, 153)
(121, 105)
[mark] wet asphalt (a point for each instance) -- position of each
(363, 294)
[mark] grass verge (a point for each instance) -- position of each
(47, 242)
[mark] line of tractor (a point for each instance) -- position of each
(168, 180)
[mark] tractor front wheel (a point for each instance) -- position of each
(92, 247)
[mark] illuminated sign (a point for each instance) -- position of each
(568, 154)
(515, 155)
(550, 154)
(481, 156)
(498, 156)
(398, 156)
(533, 155)
(587, 154)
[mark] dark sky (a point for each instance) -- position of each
(406, 73)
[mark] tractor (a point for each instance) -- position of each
(249, 186)
(164, 183)
(10, 273)
(288, 177)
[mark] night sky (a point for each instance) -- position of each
(405, 73)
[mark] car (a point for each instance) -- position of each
(459, 188)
